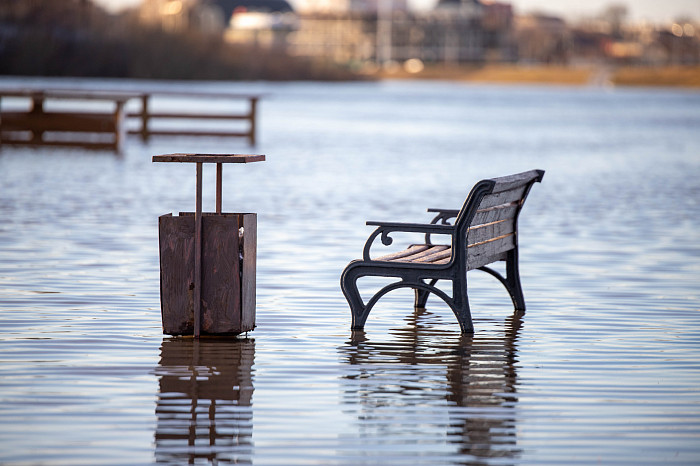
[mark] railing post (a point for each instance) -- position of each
(144, 116)
(119, 126)
(37, 109)
(198, 255)
(253, 118)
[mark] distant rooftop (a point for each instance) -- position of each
(265, 6)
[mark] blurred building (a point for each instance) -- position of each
(542, 39)
(386, 32)
(265, 22)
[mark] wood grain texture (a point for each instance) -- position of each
(221, 282)
(495, 214)
(489, 231)
(503, 197)
(489, 251)
(176, 236)
(506, 183)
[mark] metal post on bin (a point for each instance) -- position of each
(207, 260)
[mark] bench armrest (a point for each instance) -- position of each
(385, 228)
(442, 218)
(443, 215)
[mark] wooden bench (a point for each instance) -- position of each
(101, 128)
(485, 230)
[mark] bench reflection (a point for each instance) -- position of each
(430, 372)
(204, 410)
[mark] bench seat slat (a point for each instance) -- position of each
(440, 256)
(415, 253)
(480, 253)
(412, 249)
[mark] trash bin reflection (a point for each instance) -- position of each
(204, 407)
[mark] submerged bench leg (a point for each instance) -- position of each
(460, 306)
(459, 303)
(348, 283)
(513, 280)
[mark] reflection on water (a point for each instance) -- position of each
(471, 377)
(204, 405)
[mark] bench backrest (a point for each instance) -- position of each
(488, 220)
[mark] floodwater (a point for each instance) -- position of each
(604, 367)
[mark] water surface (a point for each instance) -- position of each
(604, 366)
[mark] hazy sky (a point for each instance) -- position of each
(653, 10)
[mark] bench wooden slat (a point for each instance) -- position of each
(506, 183)
(495, 214)
(439, 256)
(474, 262)
(487, 250)
(489, 231)
(412, 249)
(504, 197)
(413, 253)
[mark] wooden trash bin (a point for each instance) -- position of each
(207, 261)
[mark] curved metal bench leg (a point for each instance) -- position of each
(460, 306)
(358, 310)
(511, 281)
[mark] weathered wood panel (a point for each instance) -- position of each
(503, 197)
(176, 236)
(474, 262)
(228, 273)
(248, 276)
(221, 282)
(489, 231)
(209, 158)
(420, 253)
(483, 253)
(495, 214)
(410, 251)
(506, 183)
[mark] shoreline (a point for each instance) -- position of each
(600, 76)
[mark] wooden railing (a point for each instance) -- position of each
(147, 115)
(106, 129)
(96, 129)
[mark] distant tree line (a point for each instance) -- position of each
(77, 38)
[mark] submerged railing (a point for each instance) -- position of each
(75, 123)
